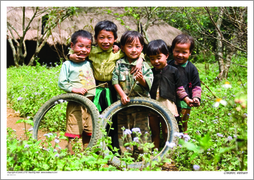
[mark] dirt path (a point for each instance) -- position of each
(12, 118)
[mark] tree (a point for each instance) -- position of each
(220, 31)
(53, 16)
(233, 35)
(144, 17)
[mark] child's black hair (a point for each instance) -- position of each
(182, 39)
(129, 36)
(105, 25)
(156, 47)
(81, 33)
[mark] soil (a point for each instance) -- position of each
(13, 116)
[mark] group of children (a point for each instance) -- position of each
(174, 83)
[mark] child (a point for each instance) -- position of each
(182, 47)
(166, 87)
(103, 60)
(77, 78)
(132, 43)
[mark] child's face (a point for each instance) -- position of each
(181, 53)
(159, 61)
(105, 39)
(82, 47)
(133, 49)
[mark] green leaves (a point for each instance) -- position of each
(191, 146)
(205, 148)
(27, 121)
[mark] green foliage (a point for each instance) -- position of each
(44, 155)
(196, 22)
(30, 87)
(33, 155)
(218, 131)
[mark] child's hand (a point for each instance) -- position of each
(79, 90)
(196, 102)
(138, 66)
(125, 99)
(115, 48)
(139, 76)
(77, 59)
(188, 101)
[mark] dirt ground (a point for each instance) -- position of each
(13, 116)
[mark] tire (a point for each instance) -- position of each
(151, 104)
(87, 103)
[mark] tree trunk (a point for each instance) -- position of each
(14, 53)
(219, 46)
(38, 49)
(231, 51)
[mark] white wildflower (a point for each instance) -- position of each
(171, 145)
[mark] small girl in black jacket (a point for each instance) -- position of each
(165, 88)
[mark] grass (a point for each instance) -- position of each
(218, 134)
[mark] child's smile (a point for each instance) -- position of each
(105, 40)
(181, 53)
(133, 49)
(159, 61)
(82, 47)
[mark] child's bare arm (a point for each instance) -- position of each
(75, 58)
(138, 67)
(124, 97)
(115, 48)
(79, 90)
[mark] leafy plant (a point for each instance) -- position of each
(217, 129)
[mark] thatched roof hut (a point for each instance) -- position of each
(86, 21)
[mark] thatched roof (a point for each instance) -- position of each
(86, 21)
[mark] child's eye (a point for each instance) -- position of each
(152, 58)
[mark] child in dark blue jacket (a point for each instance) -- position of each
(166, 87)
(182, 47)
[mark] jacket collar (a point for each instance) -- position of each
(97, 49)
(134, 63)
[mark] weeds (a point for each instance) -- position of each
(217, 129)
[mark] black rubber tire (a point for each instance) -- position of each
(75, 98)
(152, 104)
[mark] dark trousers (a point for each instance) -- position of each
(102, 100)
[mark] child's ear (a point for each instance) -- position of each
(122, 48)
(72, 45)
(95, 39)
(115, 39)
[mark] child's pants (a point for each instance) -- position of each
(77, 120)
(133, 117)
